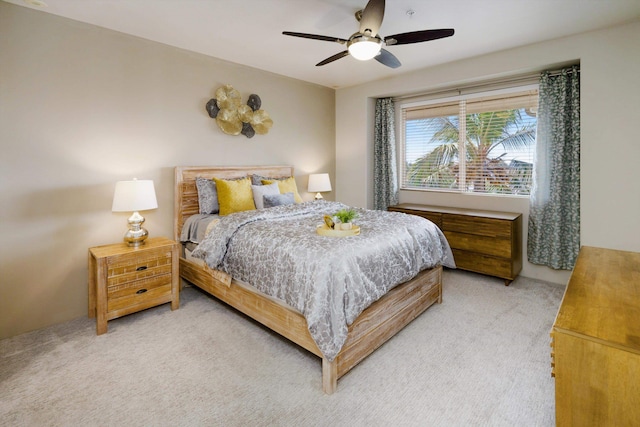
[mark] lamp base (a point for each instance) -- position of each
(319, 196)
(136, 235)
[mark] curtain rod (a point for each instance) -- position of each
(481, 86)
(568, 70)
(530, 78)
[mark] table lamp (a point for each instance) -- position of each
(318, 183)
(135, 195)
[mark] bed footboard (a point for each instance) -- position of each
(381, 321)
(375, 325)
(267, 310)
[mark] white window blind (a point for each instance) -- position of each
(481, 143)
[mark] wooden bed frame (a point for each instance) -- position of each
(375, 325)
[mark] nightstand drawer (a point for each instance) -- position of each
(128, 268)
(138, 287)
(145, 271)
(133, 293)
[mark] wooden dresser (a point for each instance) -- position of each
(596, 341)
(485, 242)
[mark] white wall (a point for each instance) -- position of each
(82, 107)
(610, 151)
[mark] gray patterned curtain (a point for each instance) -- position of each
(385, 183)
(554, 215)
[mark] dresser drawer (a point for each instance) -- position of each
(553, 356)
(484, 264)
(435, 217)
(482, 244)
(477, 225)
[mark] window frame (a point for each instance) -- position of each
(448, 96)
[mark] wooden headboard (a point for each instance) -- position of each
(186, 193)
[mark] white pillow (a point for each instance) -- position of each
(260, 190)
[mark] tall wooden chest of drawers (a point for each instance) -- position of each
(596, 341)
(124, 280)
(486, 242)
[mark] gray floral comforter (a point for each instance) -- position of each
(330, 280)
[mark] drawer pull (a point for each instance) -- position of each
(142, 268)
(141, 291)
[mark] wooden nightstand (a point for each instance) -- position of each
(124, 280)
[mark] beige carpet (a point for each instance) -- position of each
(479, 358)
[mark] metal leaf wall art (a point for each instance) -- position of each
(234, 118)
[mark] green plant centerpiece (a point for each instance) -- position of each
(346, 217)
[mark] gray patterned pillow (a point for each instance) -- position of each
(272, 200)
(257, 179)
(207, 196)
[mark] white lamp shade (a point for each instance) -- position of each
(136, 195)
(319, 182)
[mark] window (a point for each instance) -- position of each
(471, 143)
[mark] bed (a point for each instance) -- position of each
(376, 324)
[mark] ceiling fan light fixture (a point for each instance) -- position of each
(367, 44)
(364, 48)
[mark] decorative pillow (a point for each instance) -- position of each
(272, 200)
(234, 195)
(207, 196)
(286, 186)
(257, 179)
(261, 190)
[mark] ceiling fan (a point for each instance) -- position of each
(367, 43)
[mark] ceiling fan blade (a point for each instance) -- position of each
(372, 16)
(418, 36)
(315, 37)
(387, 58)
(333, 58)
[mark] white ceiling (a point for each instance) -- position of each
(249, 32)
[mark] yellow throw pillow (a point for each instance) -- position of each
(234, 195)
(286, 186)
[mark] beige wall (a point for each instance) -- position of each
(83, 107)
(610, 151)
